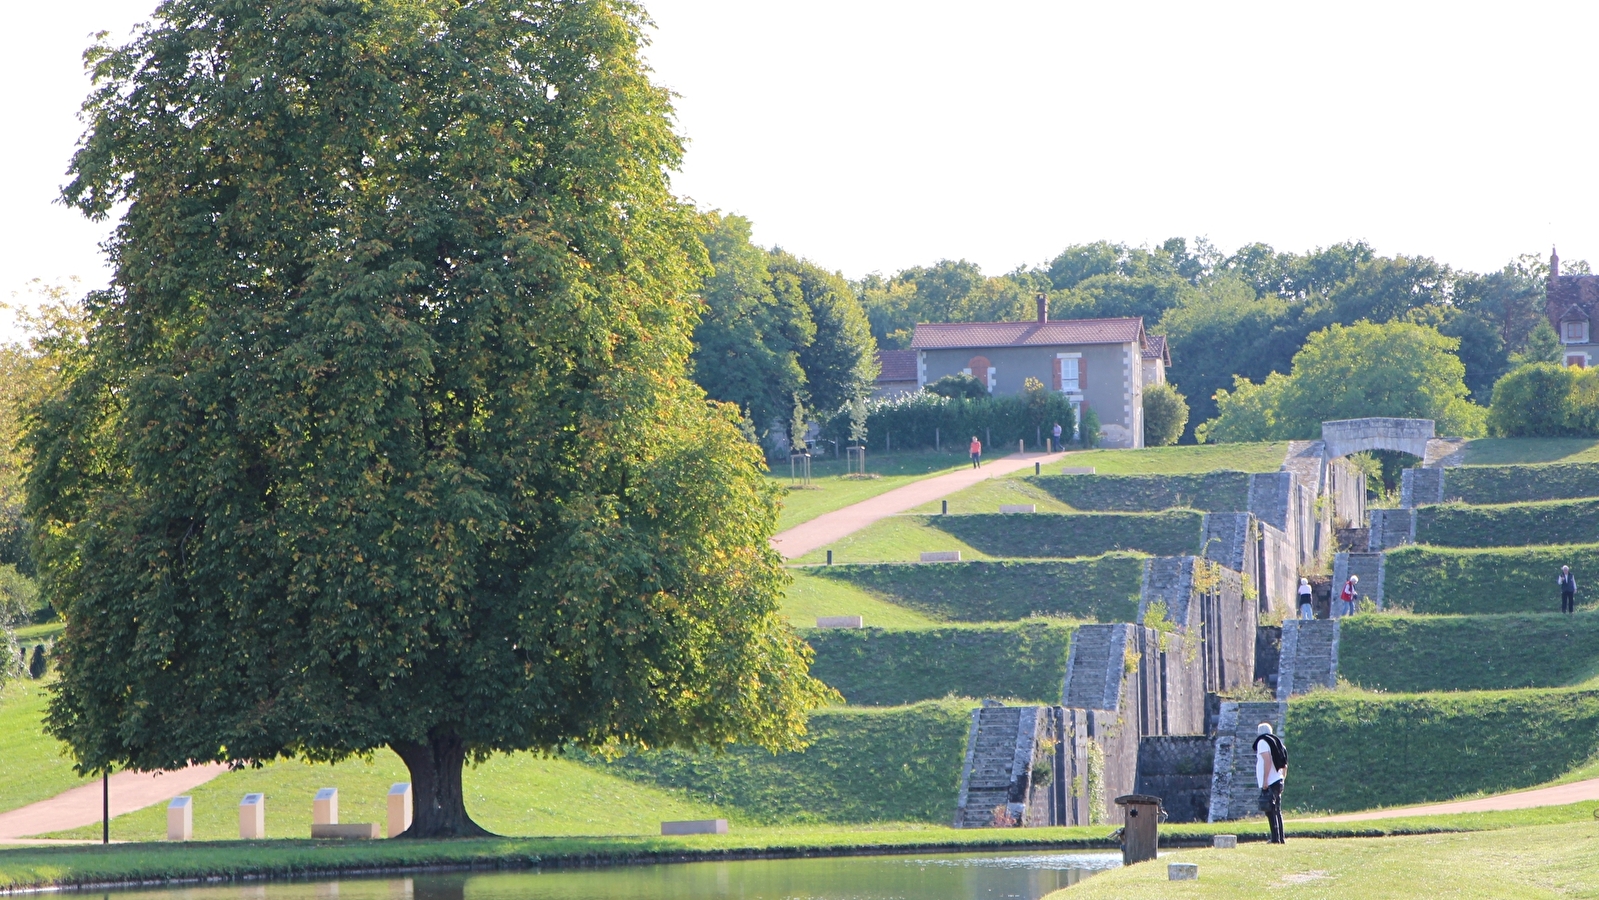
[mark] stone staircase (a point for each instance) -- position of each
(1233, 791)
(1392, 528)
(1418, 486)
(999, 753)
(1095, 666)
(1370, 567)
(1309, 656)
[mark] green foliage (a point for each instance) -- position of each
(1394, 369)
(1510, 525)
(1224, 491)
(382, 435)
(959, 386)
(841, 362)
(948, 291)
(1469, 653)
(1531, 402)
(1354, 750)
(1501, 580)
(1089, 433)
(1169, 533)
(1543, 346)
(887, 667)
(924, 420)
(1165, 415)
(1100, 589)
(1520, 484)
(900, 764)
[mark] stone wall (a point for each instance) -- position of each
(1309, 657)
(1268, 653)
(1419, 485)
(1233, 791)
(1392, 528)
(1178, 770)
(1279, 584)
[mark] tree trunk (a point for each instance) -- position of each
(438, 806)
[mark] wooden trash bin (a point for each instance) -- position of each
(1141, 832)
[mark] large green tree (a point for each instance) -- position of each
(383, 434)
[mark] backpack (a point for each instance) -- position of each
(1279, 753)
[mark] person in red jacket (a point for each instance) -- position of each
(977, 452)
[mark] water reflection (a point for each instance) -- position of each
(945, 877)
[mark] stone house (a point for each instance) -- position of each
(1157, 359)
(1099, 364)
(896, 374)
(1571, 304)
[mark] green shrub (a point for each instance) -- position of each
(1510, 525)
(1468, 653)
(1522, 484)
(1170, 533)
(1530, 401)
(1100, 589)
(922, 419)
(1165, 415)
(1497, 580)
(1357, 751)
(864, 765)
(1221, 491)
(888, 667)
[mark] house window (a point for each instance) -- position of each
(1071, 375)
(1574, 332)
(1577, 360)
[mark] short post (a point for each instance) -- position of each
(1182, 872)
(399, 808)
(1224, 841)
(937, 444)
(252, 817)
(325, 807)
(180, 819)
(1021, 446)
(1038, 468)
(829, 557)
(1141, 832)
(946, 508)
(105, 806)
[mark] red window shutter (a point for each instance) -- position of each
(1059, 365)
(1082, 374)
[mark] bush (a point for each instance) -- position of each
(1531, 402)
(959, 386)
(1165, 415)
(1499, 580)
(1100, 589)
(1358, 751)
(1522, 484)
(1089, 433)
(1170, 533)
(863, 765)
(888, 667)
(1468, 653)
(1212, 491)
(1510, 525)
(917, 420)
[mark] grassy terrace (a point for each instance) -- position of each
(1022, 661)
(1101, 588)
(1530, 451)
(831, 489)
(1041, 535)
(32, 766)
(810, 596)
(1183, 460)
(1486, 580)
(1469, 653)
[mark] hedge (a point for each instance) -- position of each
(1102, 588)
(1511, 525)
(1468, 653)
(1170, 533)
(901, 764)
(1492, 580)
(924, 420)
(1350, 750)
(889, 667)
(1520, 484)
(1223, 491)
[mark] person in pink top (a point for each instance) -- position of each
(977, 452)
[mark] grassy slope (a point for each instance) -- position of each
(32, 766)
(1353, 750)
(1486, 580)
(1525, 451)
(1101, 588)
(1191, 459)
(1468, 653)
(1024, 661)
(811, 596)
(1510, 524)
(1546, 861)
(988, 496)
(832, 490)
(1042, 535)
(1520, 484)
(1225, 491)
(518, 794)
(894, 539)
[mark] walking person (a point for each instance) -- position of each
(1271, 767)
(977, 452)
(1350, 595)
(1056, 432)
(1568, 590)
(1306, 610)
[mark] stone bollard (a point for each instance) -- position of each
(399, 808)
(1224, 842)
(180, 819)
(1182, 872)
(840, 622)
(941, 556)
(695, 826)
(325, 808)
(252, 817)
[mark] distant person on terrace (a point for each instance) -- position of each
(1056, 432)
(1350, 595)
(1568, 590)
(1306, 611)
(977, 452)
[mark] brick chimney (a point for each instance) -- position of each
(1043, 307)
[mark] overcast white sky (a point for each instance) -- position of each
(873, 135)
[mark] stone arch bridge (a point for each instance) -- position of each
(1342, 437)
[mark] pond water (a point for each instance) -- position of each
(1022, 876)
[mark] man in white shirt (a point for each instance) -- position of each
(1271, 767)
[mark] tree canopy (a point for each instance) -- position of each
(383, 434)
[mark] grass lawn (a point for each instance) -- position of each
(988, 496)
(32, 766)
(1542, 861)
(811, 596)
(519, 794)
(1188, 459)
(894, 539)
(832, 490)
(1503, 451)
(33, 634)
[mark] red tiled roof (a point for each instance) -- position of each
(898, 365)
(1156, 348)
(960, 335)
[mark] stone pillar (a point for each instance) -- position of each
(325, 808)
(399, 808)
(180, 819)
(252, 817)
